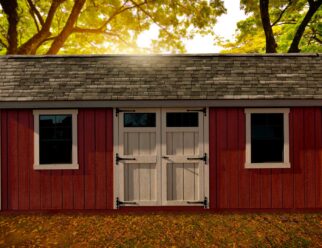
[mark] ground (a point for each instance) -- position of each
(161, 230)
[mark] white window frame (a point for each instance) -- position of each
(74, 165)
(265, 165)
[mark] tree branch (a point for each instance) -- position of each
(4, 42)
(119, 11)
(10, 9)
(101, 30)
(33, 9)
(269, 35)
(152, 18)
(282, 13)
(314, 6)
(34, 19)
(31, 46)
(317, 39)
(68, 28)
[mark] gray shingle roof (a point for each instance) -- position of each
(158, 77)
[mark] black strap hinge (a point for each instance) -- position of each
(120, 203)
(204, 202)
(204, 158)
(118, 159)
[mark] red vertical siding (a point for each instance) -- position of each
(109, 159)
(288, 175)
(13, 176)
(4, 160)
(297, 187)
(244, 175)
(35, 175)
(23, 160)
(298, 158)
(212, 159)
(89, 159)
(78, 175)
(318, 168)
(89, 187)
(100, 150)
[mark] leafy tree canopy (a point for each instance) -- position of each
(99, 26)
(286, 18)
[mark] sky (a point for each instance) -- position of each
(225, 27)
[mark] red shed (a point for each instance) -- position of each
(163, 131)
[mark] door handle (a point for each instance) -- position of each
(204, 158)
(165, 157)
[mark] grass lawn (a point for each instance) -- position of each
(161, 230)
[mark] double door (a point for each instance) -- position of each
(161, 157)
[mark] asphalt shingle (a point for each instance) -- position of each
(168, 77)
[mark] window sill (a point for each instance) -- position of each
(267, 165)
(56, 166)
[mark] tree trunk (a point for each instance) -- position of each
(270, 40)
(10, 8)
(314, 6)
(68, 28)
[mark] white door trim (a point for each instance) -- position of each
(160, 146)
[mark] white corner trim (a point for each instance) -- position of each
(74, 164)
(286, 163)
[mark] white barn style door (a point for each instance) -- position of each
(183, 157)
(138, 157)
(160, 157)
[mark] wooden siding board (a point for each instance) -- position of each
(212, 158)
(299, 160)
(222, 183)
(13, 167)
(232, 160)
(57, 189)
(318, 150)
(23, 159)
(100, 157)
(4, 160)
(67, 189)
(89, 156)
(78, 175)
(45, 190)
(277, 188)
(244, 174)
(266, 188)
(288, 174)
(309, 142)
(35, 186)
(109, 159)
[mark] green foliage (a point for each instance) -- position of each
(113, 26)
(250, 37)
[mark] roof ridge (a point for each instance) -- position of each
(162, 55)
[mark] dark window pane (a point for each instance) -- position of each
(56, 152)
(184, 119)
(139, 119)
(267, 138)
(55, 139)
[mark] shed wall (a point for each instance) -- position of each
(233, 186)
(90, 187)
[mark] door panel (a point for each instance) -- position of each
(182, 146)
(182, 182)
(139, 168)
